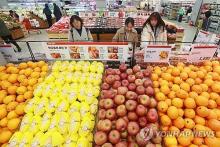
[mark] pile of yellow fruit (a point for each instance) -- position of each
(17, 83)
(188, 101)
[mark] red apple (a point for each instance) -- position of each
(121, 110)
(105, 86)
(106, 125)
(108, 103)
(110, 114)
(124, 83)
(110, 79)
(133, 128)
(148, 83)
(138, 82)
(129, 71)
(130, 95)
(122, 90)
(113, 124)
(131, 105)
(153, 103)
(150, 144)
(157, 139)
(149, 91)
(114, 136)
(116, 84)
(141, 110)
(101, 103)
(147, 72)
(140, 140)
(124, 134)
(121, 124)
(119, 99)
(123, 67)
(110, 71)
(132, 116)
(136, 68)
(126, 119)
(122, 144)
(101, 113)
(142, 121)
(123, 76)
(144, 100)
(139, 75)
(152, 115)
(131, 138)
(100, 125)
(107, 145)
(117, 72)
(131, 87)
(100, 138)
(108, 94)
(133, 144)
(117, 78)
(140, 90)
(131, 78)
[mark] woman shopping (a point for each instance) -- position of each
(78, 32)
(154, 31)
(48, 13)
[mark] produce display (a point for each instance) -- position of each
(188, 103)
(17, 84)
(127, 108)
(61, 26)
(63, 110)
(10, 23)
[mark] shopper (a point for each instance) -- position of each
(6, 35)
(78, 32)
(206, 21)
(181, 12)
(48, 13)
(154, 31)
(127, 33)
(56, 11)
(14, 15)
(188, 13)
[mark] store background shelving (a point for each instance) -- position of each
(215, 18)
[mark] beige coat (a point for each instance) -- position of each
(75, 36)
(149, 36)
(122, 35)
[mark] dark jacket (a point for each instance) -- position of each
(47, 11)
(57, 13)
(4, 29)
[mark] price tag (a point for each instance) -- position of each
(201, 53)
(154, 53)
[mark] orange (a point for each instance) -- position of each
(28, 72)
(197, 89)
(20, 109)
(202, 101)
(183, 76)
(214, 124)
(185, 86)
(216, 87)
(160, 96)
(22, 66)
(217, 69)
(12, 78)
(208, 82)
(165, 89)
(37, 69)
(172, 112)
(20, 98)
(198, 141)
(192, 75)
(202, 111)
(24, 82)
(43, 74)
(180, 112)
(40, 63)
(189, 113)
(5, 85)
(21, 72)
(3, 94)
(32, 81)
(212, 115)
(177, 80)
(181, 94)
(190, 81)
(205, 94)
(168, 101)
(5, 136)
(212, 141)
(199, 120)
(172, 95)
(212, 104)
(179, 122)
(35, 74)
(9, 99)
(200, 74)
(193, 94)
(21, 78)
(154, 77)
(13, 123)
(11, 106)
(3, 112)
(28, 94)
(44, 68)
(177, 102)
(215, 76)
(193, 145)
(175, 72)
(207, 63)
(175, 87)
(184, 140)
(2, 68)
(165, 120)
(189, 103)
(156, 90)
(12, 89)
(170, 141)
(187, 69)
(174, 129)
(21, 90)
(162, 106)
(198, 81)
(189, 123)
(11, 115)
(208, 68)
(3, 122)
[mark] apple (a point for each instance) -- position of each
(133, 128)
(108, 103)
(132, 116)
(126, 118)
(131, 138)
(119, 99)
(110, 79)
(141, 110)
(116, 84)
(110, 71)
(101, 113)
(124, 83)
(101, 103)
(150, 144)
(105, 86)
(113, 124)
(149, 91)
(100, 138)
(100, 125)
(109, 94)
(117, 78)
(140, 140)
(130, 105)
(106, 125)
(110, 114)
(148, 82)
(131, 87)
(107, 145)
(123, 67)
(144, 100)
(152, 115)
(131, 78)
(124, 134)
(153, 103)
(123, 76)
(138, 82)
(147, 72)
(142, 121)
(122, 90)
(117, 72)
(139, 75)
(140, 90)
(121, 124)
(132, 144)
(153, 127)
(114, 136)
(157, 139)
(130, 95)
(136, 68)
(122, 144)
(121, 110)
(129, 71)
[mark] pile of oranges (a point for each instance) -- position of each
(189, 101)
(17, 83)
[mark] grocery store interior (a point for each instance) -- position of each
(110, 73)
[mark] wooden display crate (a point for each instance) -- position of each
(17, 33)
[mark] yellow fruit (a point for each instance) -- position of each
(202, 111)
(20, 98)
(37, 69)
(216, 87)
(172, 112)
(214, 124)
(189, 123)
(199, 120)
(166, 76)
(193, 94)
(197, 89)
(198, 141)
(179, 122)
(165, 120)
(190, 81)
(172, 95)
(160, 96)
(208, 82)
(154, 77)
(13, 123)
(200, 74)
(32, 81)
(3, 94)
(20, 109)
(212, 104)
(22, 66)
(183, 76)
(9, 99)
(177, 102)
(162, 106)
(12, 78)
(21, 90)
(165, 89)
(212, 141)
(189, 103)
(214, 95)
(12, 89)
(189, 113)
(28, 94)
(44, 68)
(212, 115)
(184, 140)
(177, 80)
(180, 112)
(5, 136)
(11, 106)
(201, 101)
(156, 84)
(175, 88)
(174, 129)
(170, 141)
(3, 122)
(35, 75)
(182, 94)
(12, 114)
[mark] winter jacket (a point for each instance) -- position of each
(153, 36)
(122, 35)
(75, 36)
(4, 29)
(57, 13)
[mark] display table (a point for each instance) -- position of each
(17, 33)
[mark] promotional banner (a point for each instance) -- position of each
(8, 53)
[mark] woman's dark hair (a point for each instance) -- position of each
(129, 20)
(156, 15)
(75, 17)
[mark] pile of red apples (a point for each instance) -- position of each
(126, 107)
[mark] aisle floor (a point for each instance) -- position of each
(37, 47)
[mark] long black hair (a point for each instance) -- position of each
(75, 17)
(160, 22)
